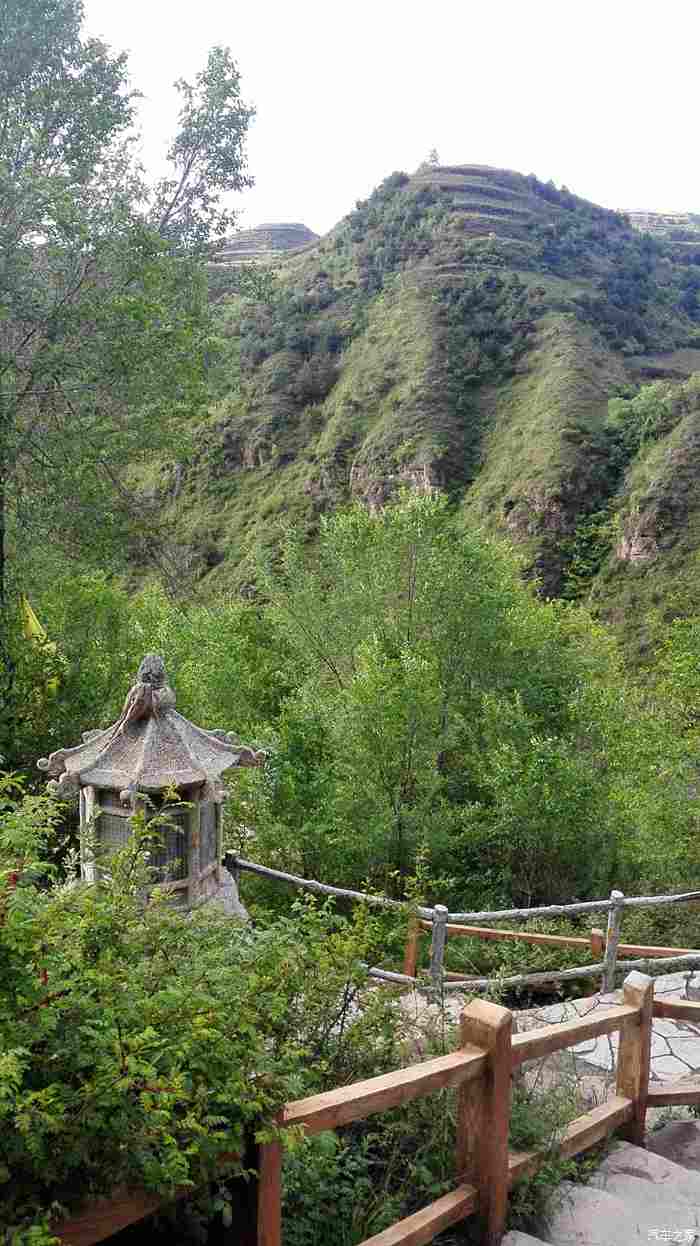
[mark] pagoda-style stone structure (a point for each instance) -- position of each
(149, 751)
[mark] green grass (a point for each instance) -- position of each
(542, 457)
(658, 506)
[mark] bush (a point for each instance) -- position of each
(139, 1042)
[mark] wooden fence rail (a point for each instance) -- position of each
(236, 864)
(443, 925)
(480, 1070)
(596, 942)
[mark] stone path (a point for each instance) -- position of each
(675, 1049)
(675, 1045)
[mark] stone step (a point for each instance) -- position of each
(678, 1141)
(636, 1196)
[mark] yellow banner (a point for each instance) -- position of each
(34, 632)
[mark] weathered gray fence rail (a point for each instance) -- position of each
(235, 864)
(570, 975)
(567, 910)
(441, 919)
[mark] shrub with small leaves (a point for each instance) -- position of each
(139, 1042)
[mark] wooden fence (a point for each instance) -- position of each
(480, 1069)
(603, 945)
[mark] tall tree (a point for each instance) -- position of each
(439, 705)
(207, 156)
(104, 323)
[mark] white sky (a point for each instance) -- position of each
(601, 95)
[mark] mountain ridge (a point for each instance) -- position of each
(464, 328)
(264, 242)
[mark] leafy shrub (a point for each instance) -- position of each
(137, 1042)
(651, 413)
(538, 1120)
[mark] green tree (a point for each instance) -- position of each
(440, 703)
(207, 156)
(104, 322)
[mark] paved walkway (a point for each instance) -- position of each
(675, 1049)
(675, 1045)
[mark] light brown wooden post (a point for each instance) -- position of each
(270, 1195)
(410, 956)
(612, 940)
(634, 1053)
(484, 1115)
(597, 944)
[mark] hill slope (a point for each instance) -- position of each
(463, 328)
(264, 242)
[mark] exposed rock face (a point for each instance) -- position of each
(637, 546)
(263, 241)
(376, 491)
(668, 499)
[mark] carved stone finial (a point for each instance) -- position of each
(148, 695)
(152, 671)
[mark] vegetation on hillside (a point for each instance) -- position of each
(302, 484)
(433, 731)
(419, 705)
(463, 328)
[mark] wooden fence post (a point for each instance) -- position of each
(437, 947)
(270, 1195)
(634, 1052)
(597, 943)
(483, 1115)
(410, 956)
(613, 938)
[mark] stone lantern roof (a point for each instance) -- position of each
(150, 747)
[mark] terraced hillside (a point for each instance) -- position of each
(680, 229)
(264, 242)
(465, 328)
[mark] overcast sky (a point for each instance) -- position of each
(601, 95)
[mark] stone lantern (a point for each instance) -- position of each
(149, 750)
